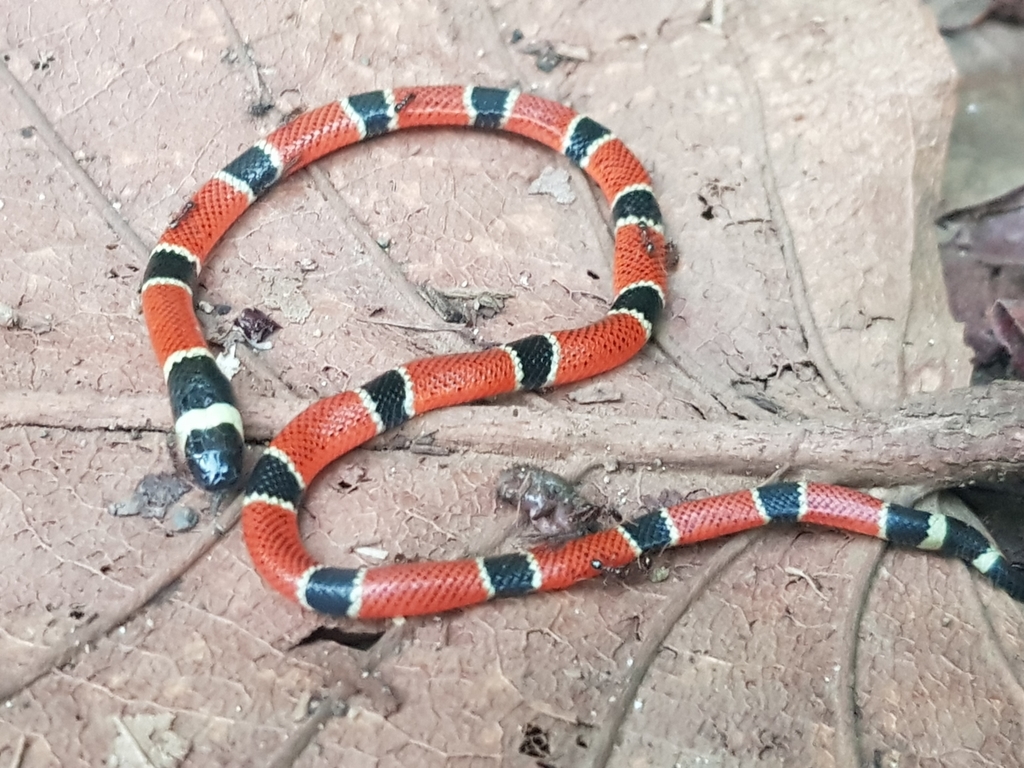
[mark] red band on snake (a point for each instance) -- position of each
(209, 427)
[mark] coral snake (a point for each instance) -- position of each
(209, 428)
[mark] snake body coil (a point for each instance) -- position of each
(209, 427)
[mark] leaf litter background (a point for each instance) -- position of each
(796, 151)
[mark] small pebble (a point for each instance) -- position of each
(182, 519)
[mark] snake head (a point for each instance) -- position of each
(214, 456)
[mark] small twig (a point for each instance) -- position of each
(410, 326)
(800, 574)
(468, 293)
(298, 740)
